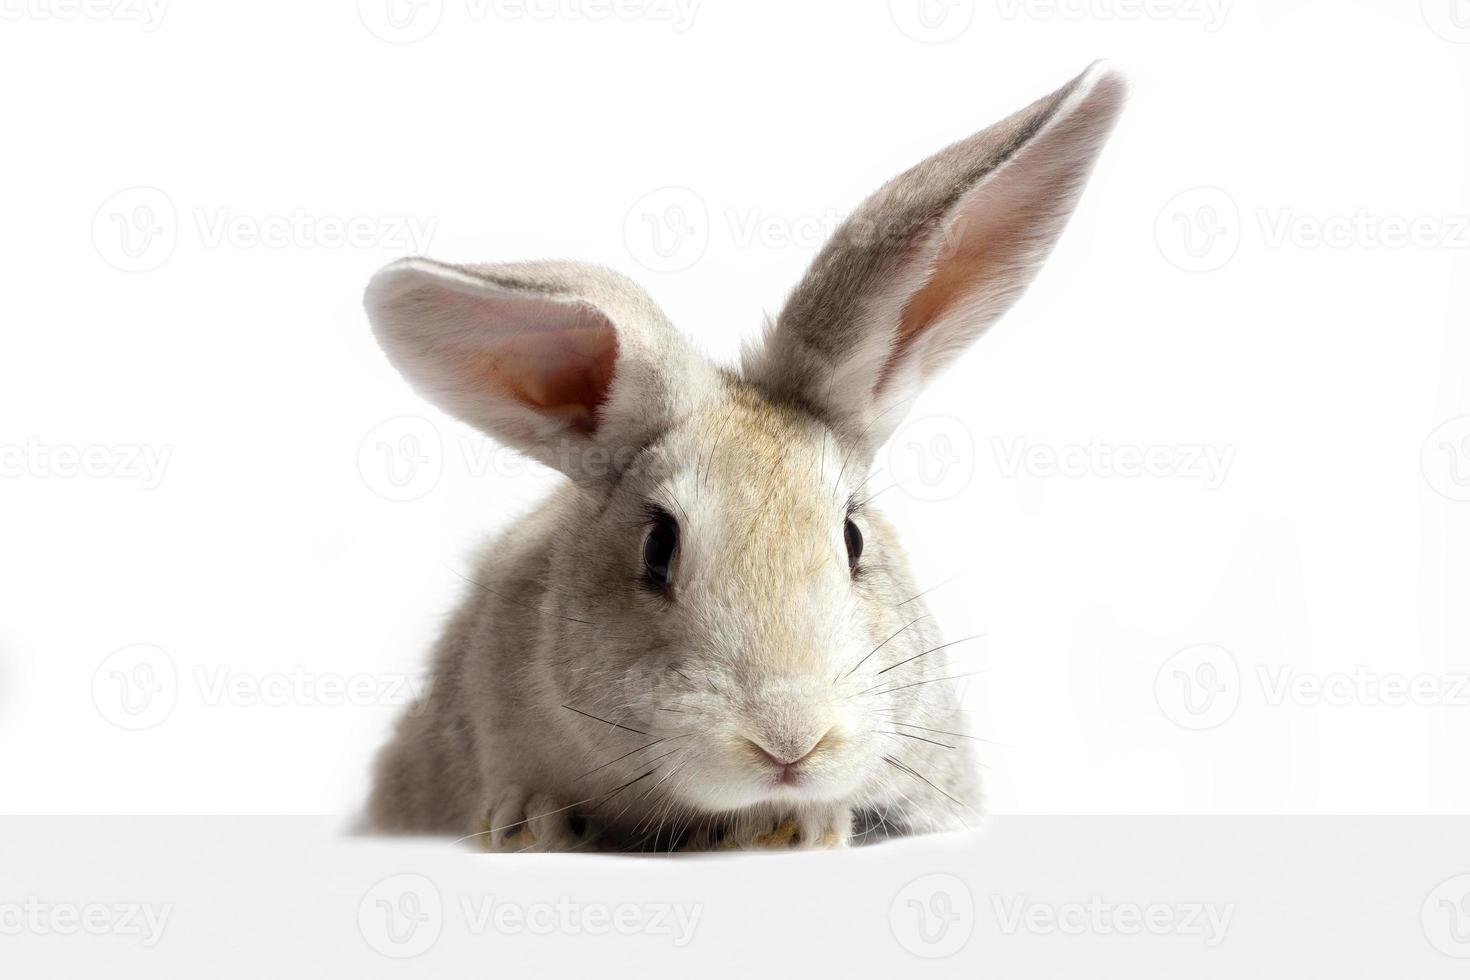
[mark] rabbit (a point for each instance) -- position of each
(706, 638)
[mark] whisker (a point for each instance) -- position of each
(859, 440)
(917, 775)
(640, 748)
(930, 589)
(635, 731)
(941, 646)
(872, 496)
(920, 738)
(559, 809)
(867, 478)
(876, 649)
(679, 767)
(676, 506)
(936, 731)
(703, 482)
(932, 680)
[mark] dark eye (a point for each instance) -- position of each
(854, 539)
(659, 547)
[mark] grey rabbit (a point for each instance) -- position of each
(707, 638)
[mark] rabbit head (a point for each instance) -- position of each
(716, 579)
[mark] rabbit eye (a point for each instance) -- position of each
(854, 539)
(659, 547)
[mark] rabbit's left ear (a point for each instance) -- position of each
(931, 260)
(571, 363)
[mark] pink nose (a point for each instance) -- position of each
(787, 758)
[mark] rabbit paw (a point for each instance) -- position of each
(820, 827)
(515, 821)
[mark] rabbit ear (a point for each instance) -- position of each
(571, 363)
(931, 260)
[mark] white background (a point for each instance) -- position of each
(176, 289)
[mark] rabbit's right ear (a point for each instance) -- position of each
(571, 363)
(930, 261)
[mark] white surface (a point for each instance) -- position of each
(1031, 897)
(267, 565)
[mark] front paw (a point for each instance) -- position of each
(515, 821)
(807, 829)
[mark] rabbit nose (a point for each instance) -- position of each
(788, 752)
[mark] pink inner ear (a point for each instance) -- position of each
(566, 373)
(976, 265)
(992, 244)
(554, 357)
